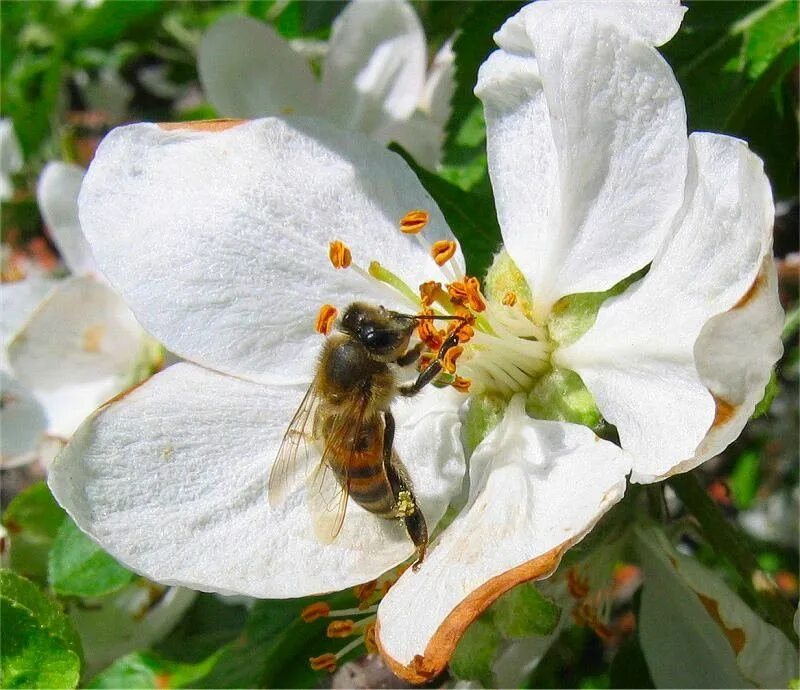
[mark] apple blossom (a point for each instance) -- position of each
(637, 275)
(373, 75)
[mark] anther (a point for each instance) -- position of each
(325, 319)
(365, 591)
(369, 639)
(450, 357)
(339, 254)
(461, 384)
(319, 609)
(430, 292)
(577, 586)
(324, 662)
(442, 251)
(509, 299)
(340, 628)
(429, 334)
(414, 221)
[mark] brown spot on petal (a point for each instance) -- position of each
(724, 412)
(203, 125)
(753, 290)
(736, 636)
(443, 643)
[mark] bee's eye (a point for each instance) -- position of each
(379, 338)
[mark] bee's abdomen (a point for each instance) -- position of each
(370, 488)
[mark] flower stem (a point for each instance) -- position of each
(729, 542)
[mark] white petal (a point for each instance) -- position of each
(126, 621)
(22, 422)
(10, 157)
(172, 480)
(78, 349)
(375, 68)
(419, 135)
(218, 240)
(18, 300)
(536, 488)
(248, 70)
(440, 85)
(652, 21)
(639, 358)
(57, 194)
(696, 632)
(586, 138)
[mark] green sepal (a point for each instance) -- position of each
(484, 413)
(560, 395)
(770, 391)
(476, 652)
(79, 567)
(525, 611)
(40, 646)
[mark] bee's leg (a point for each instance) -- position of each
(431, 371)
(411, 356)
(406, 502)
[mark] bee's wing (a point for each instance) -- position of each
(327, 494)
(293, 461)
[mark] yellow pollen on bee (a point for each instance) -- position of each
(340, 628)
(442, 251)
(414, 221)
(325, 319)
(405, 504)
(93, 338)
(450, 357)
(339, 254)
(461, 384)
(319, 609)
(430, 292)
(323, 662)
(509, 299)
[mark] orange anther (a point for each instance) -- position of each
(450, 357)
(340, 628)
(339, 254)
(457, 291)
(429, 292)
(319, 609)
(325, 319)
(414, 221)
(474, 297)
(442, 251)
(324, 662)
(578, 587)
(464, 331)
(369, 639)
(428, 333)
(365, 591)
(509, 299)
(461, 384)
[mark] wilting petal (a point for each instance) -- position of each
(22, 422)
(375, 67)
(172, 479)
(78, 349)
(697, 633)
(218, 240)
(641, 358)
(57, 194)
(536, 488)
(586, 138)
(248, 70)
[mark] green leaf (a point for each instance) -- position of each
(475, 653)
(79, 567)
(471, 216)
(733, 61)
(149, 670)
(524, 611)
(40, 647)
(32, 520)
(744, 479)
(629, 668)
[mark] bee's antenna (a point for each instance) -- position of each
(433, 317)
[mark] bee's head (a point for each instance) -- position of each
(384, 333)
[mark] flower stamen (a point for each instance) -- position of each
(414, 221)
(325, 319)
(442, 251)
(509, 299)
(339, 254)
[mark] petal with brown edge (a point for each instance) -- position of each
(537, 487)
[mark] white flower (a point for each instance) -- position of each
(70, 344)
(10, 157)
(373, 75)
(217, 236)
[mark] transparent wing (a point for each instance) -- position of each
(294, 459)
(327, 492)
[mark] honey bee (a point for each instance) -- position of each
(347, 415)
